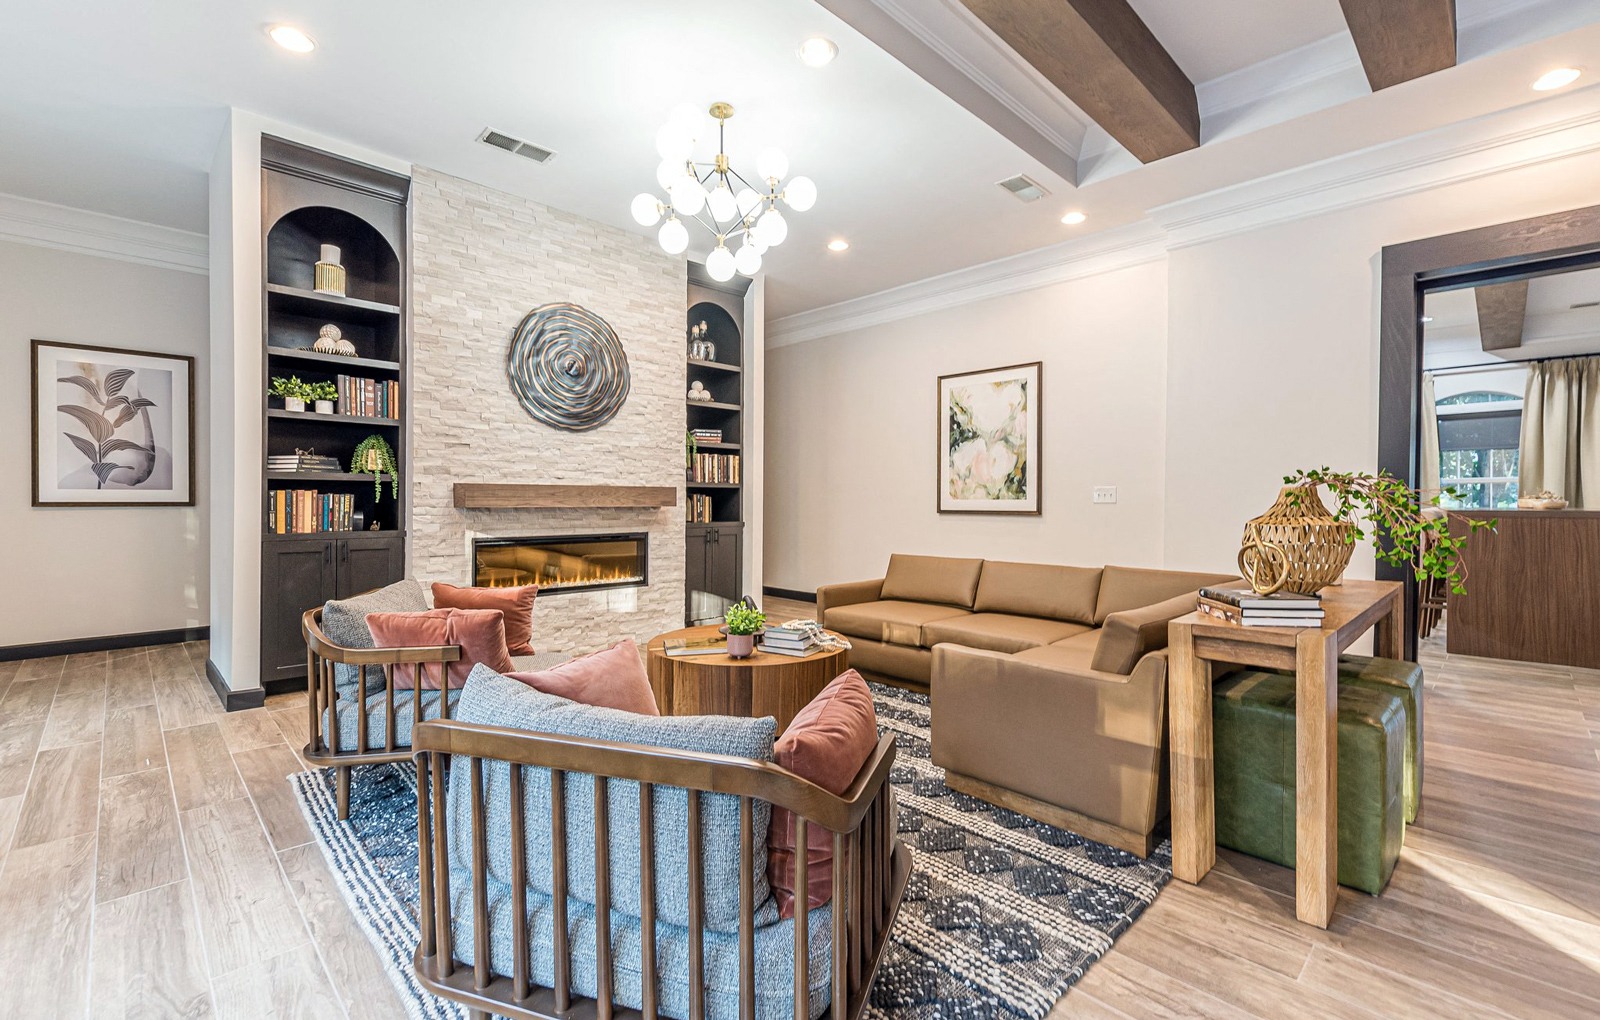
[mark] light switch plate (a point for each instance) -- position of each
(1105, 493)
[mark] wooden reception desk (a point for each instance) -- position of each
(1533, 589)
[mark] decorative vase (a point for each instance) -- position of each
(329, 273)
(1316, 545)
(741, 646)
(324, 407)
(293, 404)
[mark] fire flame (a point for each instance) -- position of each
(491, 576)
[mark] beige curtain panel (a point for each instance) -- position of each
(1561, 431)
(1428, 480)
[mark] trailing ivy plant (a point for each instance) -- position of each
(1390, 512)
(690, 448)
(744, 619)
(380, 450)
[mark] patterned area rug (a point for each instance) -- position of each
(1003, 914)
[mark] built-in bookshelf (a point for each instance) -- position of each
(715, 462)
(327, 531)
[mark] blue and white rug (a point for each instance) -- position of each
(1003, 914)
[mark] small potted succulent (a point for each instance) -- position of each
(293, 392)
(744, 621)
(324, 393)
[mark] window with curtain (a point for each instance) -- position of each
(1479, 449)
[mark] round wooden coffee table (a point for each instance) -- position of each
(763, 684)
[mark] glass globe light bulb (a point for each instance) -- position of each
(687, 195)
(721, 202)
(800, 194)
(646, 209)
(772, 228)
(673, 236)
(748, 201)
(668, 172)
(748, 261)
(720, 264)
(772, 164)
(674, 142)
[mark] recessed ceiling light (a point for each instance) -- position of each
(839, 245)
(1427, 318)
(1561, 77)
(817, 51)
(1074, 218)
(292, 39)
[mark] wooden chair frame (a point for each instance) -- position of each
(322, 748)
(870, 869)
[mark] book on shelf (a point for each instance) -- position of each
(707, 435)
(1250, 618)
(680, 647)
(308, 512)
(715, 469)
(798, 653)
(302, 462)
(795, 635)
(698, 508)
(1245, 598)
(360, 397)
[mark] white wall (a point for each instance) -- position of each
(851, 433)
(95, 572)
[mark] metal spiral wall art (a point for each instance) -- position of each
(567, 367)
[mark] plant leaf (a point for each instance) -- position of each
(84, 447)
(104, 469)
(141, 402)
(87, 383)
(117, 380)
(113, 445)
(124, 416)
(99, 428)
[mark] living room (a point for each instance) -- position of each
(994, 327)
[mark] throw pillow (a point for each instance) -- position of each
(828, 742)
(516, 603)
(344, 621)
(611, 678)
(481, 633)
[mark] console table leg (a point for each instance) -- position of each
(1194, 840)
(1317, 776)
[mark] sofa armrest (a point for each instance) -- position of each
(1130, 635)
(848, 594)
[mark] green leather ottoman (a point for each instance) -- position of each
(1253, 734)
(1404, 679)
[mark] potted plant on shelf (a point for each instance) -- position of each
(375, 456)
(744, 621)
(324, 393)
(293, 392)
(1311, 545)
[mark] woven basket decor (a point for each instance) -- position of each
(1316, 543)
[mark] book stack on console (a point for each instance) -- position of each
(1247, 609)
(798, 638)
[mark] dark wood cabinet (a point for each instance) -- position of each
(299, 573)
(715, 488)
(714, 558)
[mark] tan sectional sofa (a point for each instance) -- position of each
(1048, 683)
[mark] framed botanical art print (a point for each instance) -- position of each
(989, 441)
(111, 427)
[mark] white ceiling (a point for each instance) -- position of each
(117, 107)
(1551, 328)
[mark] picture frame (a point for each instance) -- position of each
(989, 441)
(111, 427)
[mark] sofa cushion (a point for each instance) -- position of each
(892, 621)
(516, 603)
(481, 634)
(612, 678)
(1076, 653)
(495, 700)
(942, 579)
(999, 632)
(1132, 587)
(1038, 589)
(376, 714)
(827, 743)
(1130, 635)
(345, 623)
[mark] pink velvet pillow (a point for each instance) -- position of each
(481, 633)
(828, 742)
(610, 678)
(516, 603)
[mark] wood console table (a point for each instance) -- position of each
(1196, 642)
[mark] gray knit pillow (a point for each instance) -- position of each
(345, 623)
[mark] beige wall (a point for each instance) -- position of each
(95, 572)
(851, 440)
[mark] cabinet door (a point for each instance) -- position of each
(696, 572)
(296, 574)
(370, 561)
(726, 568)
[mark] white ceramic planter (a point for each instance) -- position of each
(324, 407)
(293, 404)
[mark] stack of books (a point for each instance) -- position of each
(706, 435)
(698, 509)
(308, 512)
(799, 638)
(301, 461)
(1247, 609)
(715, 468)
(368, 398)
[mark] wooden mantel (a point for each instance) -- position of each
(487, 495)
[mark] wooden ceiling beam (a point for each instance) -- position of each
(1105, 59)
(1502, 310)
(1402, 39)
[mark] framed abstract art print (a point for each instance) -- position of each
(989, 441)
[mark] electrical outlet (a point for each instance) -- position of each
(1105, 494)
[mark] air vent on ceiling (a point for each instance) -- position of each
(1024, 187)
(1586, 304)
(527, 150)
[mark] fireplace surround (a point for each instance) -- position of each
(562, 563)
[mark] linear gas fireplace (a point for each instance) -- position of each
(562, 563)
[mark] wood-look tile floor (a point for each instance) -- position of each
(153, 863)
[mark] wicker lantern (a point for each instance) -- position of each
(1315, 543)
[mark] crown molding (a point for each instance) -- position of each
(27, 221)
(1110, 250)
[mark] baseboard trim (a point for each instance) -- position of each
(232, 700)
(294, 685)
(789, 593)
(75, 646)
(1137, 843)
